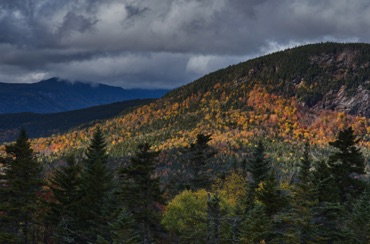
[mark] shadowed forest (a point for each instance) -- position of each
(85, 200)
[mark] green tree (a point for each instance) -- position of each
(199, 217)
(232, 187)
(200, 153)
(347, 163)
(140, 191)
(185, 217)
(65, 185)
(357, 221)
(300, 217)
(256, 227)
(305, 199)
(96, 187)
(196, 171)
(304, 174)
(123, 228)
(327, 214)
(259, 166)
(325, 186)
(269, 195)
(21, 184)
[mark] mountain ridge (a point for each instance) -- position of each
(43, 125)
(312, 73)
(57, 95)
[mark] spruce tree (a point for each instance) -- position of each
(259, 166)
(357, 221)
(140, 191)
(65, 185)
(195, 171)
(347, 163)
(256, 227)
(269, 195)
(200, 152)
(325, 186)
(96, 188)
(327, 213)
(301, 215)
(123, 227)
(20, 186)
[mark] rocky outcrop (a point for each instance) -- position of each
(357, 103)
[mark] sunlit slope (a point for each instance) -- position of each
(282, 98)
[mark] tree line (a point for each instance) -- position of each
(86, 201)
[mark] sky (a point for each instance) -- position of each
(161, 43)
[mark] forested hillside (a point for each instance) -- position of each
(43, 125)
(273, 150)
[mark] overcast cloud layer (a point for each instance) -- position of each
(161, 43)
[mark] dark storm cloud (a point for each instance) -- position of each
(75, 22)
(161, 43)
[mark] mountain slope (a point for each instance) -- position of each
(316, 74)
(42, 125)
(258, 99)
(55, 95)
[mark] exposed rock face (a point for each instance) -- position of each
(355, 104)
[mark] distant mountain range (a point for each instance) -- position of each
(56, 95)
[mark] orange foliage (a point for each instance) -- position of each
(253, 113)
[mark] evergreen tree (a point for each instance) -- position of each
(97, 188)
(329, 217)
(269, 195)
(196, 171)
(200, 153)
(325, 185)
(259, 166)
(65, 185)
(358, 219)
(123, 228)
(346, 163)
(304, 175)
(20, 185)
(140, 191)
(328, 212)
(302, 227)
(256, 227)
(213, 217)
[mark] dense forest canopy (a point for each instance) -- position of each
(87, 201)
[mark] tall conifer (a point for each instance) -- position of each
(65, 185)
(259, 166)
(140, 191)
(346, 163)
(199, 154)
(302, 228)
(20, 186)
(96, 188)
